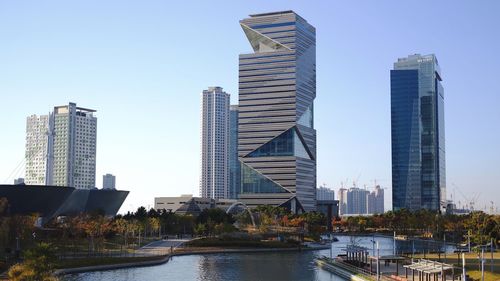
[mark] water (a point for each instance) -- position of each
(244, 266)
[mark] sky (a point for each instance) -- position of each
(143, 65)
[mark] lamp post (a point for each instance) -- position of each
(444, 247)
(491, 247)
(463, 266)
(394, 244)
(378, 262)
(482, 264)
(373, 245)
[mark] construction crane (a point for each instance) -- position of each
(469, 202)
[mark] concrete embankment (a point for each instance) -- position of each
(340, 271)
(166, 258)
(74, 270)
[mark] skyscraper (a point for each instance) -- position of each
(342, 195)
(376, 201)
(418, 148)
(276, 136)
(234, 164)
(108, 181)
(61, 147)
(75, 137)
(214, 181)
(325, 193)
(357, 201)
(37, 150)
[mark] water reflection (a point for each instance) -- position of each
(255, 266)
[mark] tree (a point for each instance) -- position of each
(38, 264)
(216, 215)
(200, 229)
(154, 224)
(122, 226)
(95, 227)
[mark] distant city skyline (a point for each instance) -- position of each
(143, 75)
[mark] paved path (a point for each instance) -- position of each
(160, 247)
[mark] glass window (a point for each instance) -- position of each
(254, 182)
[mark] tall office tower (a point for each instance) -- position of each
(214, 181)
(325, 193)
(342, 194)
(376, 201)
(357, 201)
(276, 136)
(418, 149)
(108, 181)
(37, 150)
(234, 164)
(75, 135)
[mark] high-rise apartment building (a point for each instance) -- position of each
(276, 135)
(37, 150)
(214, 181)
(375, 201)
(234, 164)
(75, 137)
(108, 181)
(342, 195)
(418, 141)
(61, 147)
(325, 193)
(357, 201)
(19, 181)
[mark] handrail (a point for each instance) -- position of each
(352, 268)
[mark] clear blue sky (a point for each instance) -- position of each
(143, 64)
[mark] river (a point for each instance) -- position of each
(248, 266)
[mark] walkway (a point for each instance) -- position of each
(160, 247)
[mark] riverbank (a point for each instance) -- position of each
(131, 262)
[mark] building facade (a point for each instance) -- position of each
(325, 193)
(61, 148)
(214, 181)
(276, 135)
(186, 204)
(418, 140)
(19, 181)
(75, 140)
(376, 201)
(37, 150)
(108, 181)
(234, 164)
(357, 201)
(342, 195)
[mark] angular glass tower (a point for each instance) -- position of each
(417, 126)
(276, 136)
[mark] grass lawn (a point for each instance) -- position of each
(488, 276)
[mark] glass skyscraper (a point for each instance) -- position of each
(276, 136)
(417, 126)
(234, 164)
